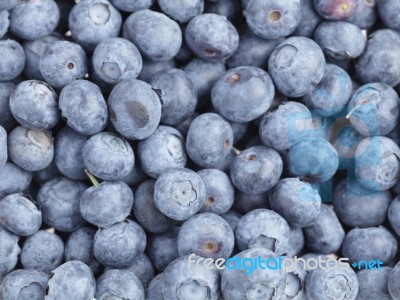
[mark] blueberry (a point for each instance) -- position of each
(115, 59)
(92, 21)
(243, 94)
(9, 252)
(296, 201)
(135, 177)
(256, 170)
(313, 159)
(262, 228)
(4, 22)
(13, 59)
(79, 246)
(332, 93)
(132, 5)
(296, 242)
(118, 245)
(365, 14)
(135, 109)
(245, 203)
(374, 284)
(154, 291)
(6, 118)
(20, 215)
(372, 65)
(43, 251)
(296, 66)
(252, 51)
(259, 284)
(182, 11)
(163, 248)
(232, 217)
(220, 193)
(285, 125)
(212, 37)
(68, 153)
(24, 285)
(83, 106)
(13, 179)
(32, 150)
(59, 202)
(357, 206)
(72, 280)
(336, 9)
(62, 63)
(120, 284)
(341, 283)
(213, 237)
(336, 45)
(185, 280)
(177, 95)
(164, 149)
(326, 234)
(209, 140)
(370, 243)
(46, 174)
(34, 105)
(158, 37)
(393, 281)
(309, 19)
(106, 203)
(150, 68)
(108, 156)
(146, 212)
(34, 50)
(3, 147)
(142, 268)
(393, 214)
(374, 109)
(388, 10)
(179, 193)
(273, 19)
(31, 20)
(377, 165)
(203, 75)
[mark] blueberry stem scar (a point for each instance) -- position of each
(91, 177)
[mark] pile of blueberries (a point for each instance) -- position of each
(139, 138)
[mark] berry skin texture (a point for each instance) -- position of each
(92, 21)
(118, 246)
(135, 109)
(256, 170)
(13, 179)
(59, 202)
(107, 203)
(164, 149)
(3, 147)
(115, 59)
(13, 59)
(34, 105)
(7, 120)
(336, 9)
(158, 37)
(273, 19)
(296, 66)
(32, 150)
(31, 20)
(132, 5)
(72, 280)
(388, 12)
(212, 37)
(20, 215)
(24, 284)
(243, 94)
(374, 284)
(62, 63)
(209, 140)
(108, 156)
(182, 10)
(83, 106)
(214, 237)
(179, 193)
(9, 252)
